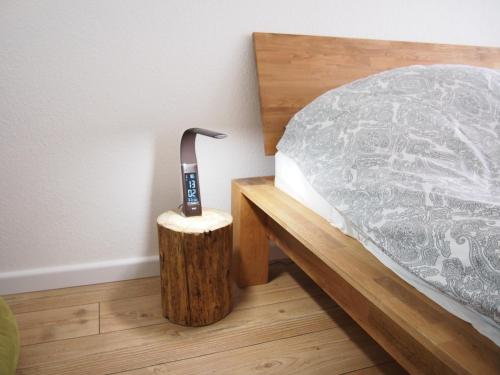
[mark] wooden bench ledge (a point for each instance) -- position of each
(417, 332)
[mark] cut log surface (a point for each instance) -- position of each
(195, 260)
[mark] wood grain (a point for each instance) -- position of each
(75, 296)
(131, 313)
(58, 324)
(195, 267)
(294, 69)
(285, 315)
(333, 351)
(389, 368)
(250, 242)
(288, 283)
(419, 334)
(147, 346)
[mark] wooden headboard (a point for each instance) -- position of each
(294, 69)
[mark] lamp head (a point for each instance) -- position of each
(191, 204)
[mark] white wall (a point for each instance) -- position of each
(94, 96)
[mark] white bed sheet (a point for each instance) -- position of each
(292, 181)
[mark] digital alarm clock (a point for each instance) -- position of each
(191, 204)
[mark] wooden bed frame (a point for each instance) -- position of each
(418, 333)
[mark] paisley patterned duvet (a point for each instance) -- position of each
(411, 157)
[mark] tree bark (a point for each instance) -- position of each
(195, 261)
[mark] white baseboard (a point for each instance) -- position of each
(78, 274)
(30, 280)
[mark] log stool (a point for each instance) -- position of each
(195, 261)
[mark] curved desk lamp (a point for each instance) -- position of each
(191, 204)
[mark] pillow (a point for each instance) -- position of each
(411, 158)
(9, 340)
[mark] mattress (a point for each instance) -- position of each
(290, 179)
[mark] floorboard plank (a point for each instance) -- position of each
(131, 313)
(146, 346)
(287, 326)
(146, 310)
(389, 368)
(57, 324)
(333, 351)
(81, 295)
(86, 294)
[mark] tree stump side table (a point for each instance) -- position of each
(195, 262)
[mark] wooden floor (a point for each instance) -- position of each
(288, 326)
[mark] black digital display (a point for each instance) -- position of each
(192, 195)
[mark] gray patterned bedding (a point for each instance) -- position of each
(411, 157)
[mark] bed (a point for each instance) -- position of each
(419, 333)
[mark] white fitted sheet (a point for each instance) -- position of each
(292, 181)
